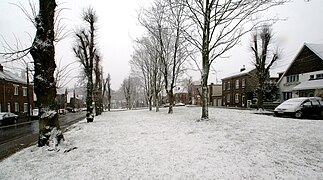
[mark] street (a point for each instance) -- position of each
(18, 136)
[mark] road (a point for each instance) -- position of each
(16, 137)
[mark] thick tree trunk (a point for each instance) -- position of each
(43, 53)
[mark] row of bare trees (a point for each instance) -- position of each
(47, 76)
(198, 30)
(88, 54)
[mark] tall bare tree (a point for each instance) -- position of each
(107, 90)
(98, 71)
(42, 50)
(217, 26)
(85, 51)
(264, 58)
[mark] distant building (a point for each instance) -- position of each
(196, 93)
(181, 95)
(304, 76)
(215, 94)
(15, 94)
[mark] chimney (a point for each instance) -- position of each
(1, 68)
(243, 68)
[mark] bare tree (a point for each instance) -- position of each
(263, 60)
(164, 22)
(145, 65)
(107, 89)
(42, 50)
(98, 71)
(126, 88)
(216, 26)
(85, 51)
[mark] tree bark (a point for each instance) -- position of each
(43, 54)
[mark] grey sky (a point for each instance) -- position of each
(118, 24)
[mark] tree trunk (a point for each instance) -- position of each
(43, 54)
(260, 102)
(171, 101)
(150, 103)
(205, 61)
(157, 102)
(89, 94)
(204, 99)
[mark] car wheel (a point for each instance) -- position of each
(298, 114)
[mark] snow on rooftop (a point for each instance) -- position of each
(233, 144)
(9, 76)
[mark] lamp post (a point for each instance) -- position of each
(28, 100)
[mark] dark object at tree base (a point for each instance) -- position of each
(89, 117)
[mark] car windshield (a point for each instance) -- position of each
(295, 100)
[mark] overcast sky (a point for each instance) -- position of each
(118, 25)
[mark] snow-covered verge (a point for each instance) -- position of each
(140, 144)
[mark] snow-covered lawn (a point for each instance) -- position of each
(140, 144)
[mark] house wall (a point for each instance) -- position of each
(238, 96)
(285, 86)
(8, 98)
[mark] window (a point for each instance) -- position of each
(228, 98)
(243, 83)
(229, 84)
(16, 107)
(24, 90)
(319, 76)
(16, 90)
(311, 76)
(287, 95)
(236, 99)
(237, 84)
(25, 107)
(292, 78)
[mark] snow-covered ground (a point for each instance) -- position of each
(139, 144)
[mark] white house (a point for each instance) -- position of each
(304, 76)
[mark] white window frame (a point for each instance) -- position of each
(243, 83)
(25, 107)
(237, 84)
(24, 91)
(236, 99)
(16, 107)
(16, 90)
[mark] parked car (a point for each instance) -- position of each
(7, 118)
(301, 107)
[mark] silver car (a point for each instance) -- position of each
(301, 107)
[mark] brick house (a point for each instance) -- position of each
(304, 76)
(238, 89)
(14, 93)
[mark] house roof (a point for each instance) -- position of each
(9, 76)
(237, 74)
(315, 48)
(311, 84)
